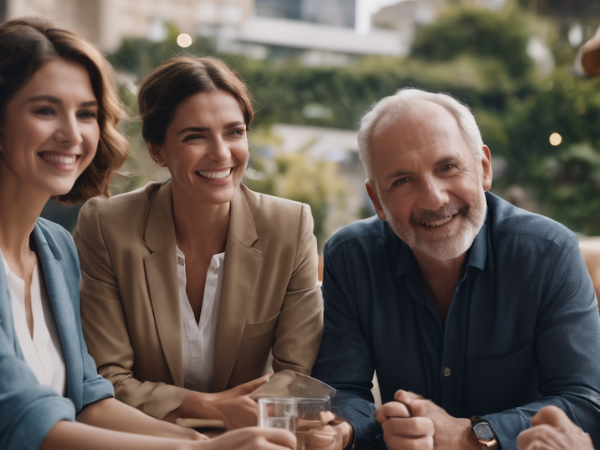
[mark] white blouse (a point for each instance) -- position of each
(43, 353)
(198, 338)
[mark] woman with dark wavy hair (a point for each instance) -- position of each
(59, 109)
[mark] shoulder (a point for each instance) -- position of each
(54, 233)
(274, 214)
(506, 221)
(370, 232)
(133, 202)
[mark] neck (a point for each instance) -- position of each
(200, 226)
(441, 279)
(20, 206)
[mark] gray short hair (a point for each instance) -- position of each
(402, 101)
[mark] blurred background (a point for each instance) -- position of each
(314, 66)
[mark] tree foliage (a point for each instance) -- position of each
(478, 56)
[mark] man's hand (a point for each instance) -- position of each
(551, 429)
(412, 422)
(335, 434)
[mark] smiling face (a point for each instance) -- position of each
(50, 130)
(205, 148)
(427, 183)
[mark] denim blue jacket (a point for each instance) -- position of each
(28, 410)
(523, 330)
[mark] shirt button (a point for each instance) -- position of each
(447, 372)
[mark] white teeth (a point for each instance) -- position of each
(215, 175)
(59, 159)
(438, 222)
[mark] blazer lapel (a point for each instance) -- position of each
(161, 275)
(242, 268)
(60, 292)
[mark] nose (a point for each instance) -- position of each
(432, 194)
(68, 131)
(219, 151)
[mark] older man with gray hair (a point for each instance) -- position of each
(473, 313)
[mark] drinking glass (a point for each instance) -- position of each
(308, 416)
(278, 412)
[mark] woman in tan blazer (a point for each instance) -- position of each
(147, 258)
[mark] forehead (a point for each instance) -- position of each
(422, 133)
(62, 79)
(214, 105)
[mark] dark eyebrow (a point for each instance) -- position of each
(196, 129)
(58, 101)
(203, 129)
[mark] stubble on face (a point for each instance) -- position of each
(457, 239)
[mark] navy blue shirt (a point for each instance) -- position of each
(522, 332)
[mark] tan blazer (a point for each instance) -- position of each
(129, 293)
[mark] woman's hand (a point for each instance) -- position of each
(252, 439)
(242, 389)
(233, 407)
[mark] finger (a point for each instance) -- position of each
(320, 438)
(326, 417)
(391, 409)
(541, 436)
(402, 443)
(411, 427)
(406, 396)
(278, 436)
(551, 415)
(421, 408)
(251, 386)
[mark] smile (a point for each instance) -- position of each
(215, 175)
(62, 161)
(438, 223)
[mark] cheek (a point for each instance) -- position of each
(240, 152)
(91, 138)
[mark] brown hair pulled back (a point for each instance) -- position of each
(25, 46)
(178, 78)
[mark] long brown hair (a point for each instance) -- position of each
(25, 46)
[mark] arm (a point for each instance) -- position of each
(28, 410)
(345, 361)
(104, 323)
(300, 325)
(567, 345)
(75, 436)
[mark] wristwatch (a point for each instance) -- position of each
(482, 433)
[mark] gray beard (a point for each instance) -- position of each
(455, 242)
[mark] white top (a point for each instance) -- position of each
(198, 338)
(43, 353)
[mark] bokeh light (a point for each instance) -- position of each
(555, 139)
(184, 40)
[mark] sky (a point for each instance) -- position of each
(364, 9)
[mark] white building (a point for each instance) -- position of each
(233, 22)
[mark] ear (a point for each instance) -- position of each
(155, 151)
(372, 191)
(486, 164)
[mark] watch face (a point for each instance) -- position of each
(484, 431)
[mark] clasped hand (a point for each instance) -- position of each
(414, 423)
